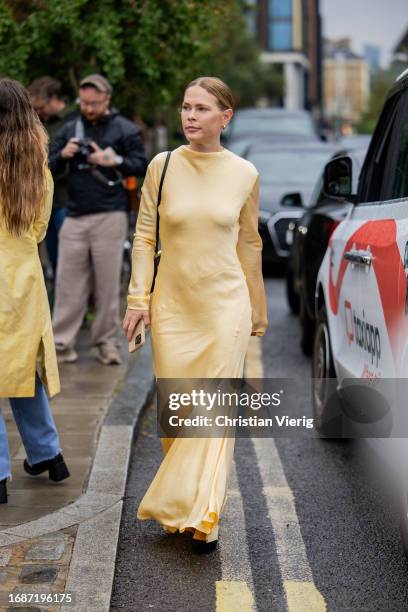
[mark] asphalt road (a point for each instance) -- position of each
(304, 529)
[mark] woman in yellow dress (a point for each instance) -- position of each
(208, 299)
(26, 340)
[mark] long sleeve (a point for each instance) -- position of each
(249, 249)
(56, 162)
(144, 245)
(134, 159)
(41, 223)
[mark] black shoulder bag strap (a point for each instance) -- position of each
(163, 174)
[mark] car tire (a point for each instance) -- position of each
(307, 327)
(291, 295)
(325, 397)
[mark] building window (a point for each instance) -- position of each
(280, 25)
(280, 9)
(280, 36)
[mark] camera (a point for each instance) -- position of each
(84, 149)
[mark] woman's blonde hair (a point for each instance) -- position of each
(217, 88)
(23, 158)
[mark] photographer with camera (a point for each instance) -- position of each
(99, 148)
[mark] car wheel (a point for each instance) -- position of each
(307, 326)
(326, 402)
(291, 295)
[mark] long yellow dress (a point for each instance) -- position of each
(25, 320)
(209, 296)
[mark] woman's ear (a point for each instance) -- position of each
(227, 116)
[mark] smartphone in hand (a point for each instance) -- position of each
(139, 337)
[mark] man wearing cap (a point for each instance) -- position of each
(99, 148)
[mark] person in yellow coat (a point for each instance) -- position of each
(208, 298)
(26, 340)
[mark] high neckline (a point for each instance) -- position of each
(203, 154)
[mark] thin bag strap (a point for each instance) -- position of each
(166, 163)
(79, 129)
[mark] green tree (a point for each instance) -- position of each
(380, 85)
(147, 48)
(235, 58)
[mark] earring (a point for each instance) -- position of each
(223, 127)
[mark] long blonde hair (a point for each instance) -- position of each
(23, 158)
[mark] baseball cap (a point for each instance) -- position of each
(97, 81)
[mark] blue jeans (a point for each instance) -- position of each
(51, 237)
(36, 426)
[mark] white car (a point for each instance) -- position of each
(362, 290)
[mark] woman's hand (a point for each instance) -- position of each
(132, 318)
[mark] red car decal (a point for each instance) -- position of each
(381, 236)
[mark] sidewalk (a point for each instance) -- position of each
(58, 538)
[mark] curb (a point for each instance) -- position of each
(98, 511)
(90, 580)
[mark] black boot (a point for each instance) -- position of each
(199, 547)
(57, 469)
(3, 491)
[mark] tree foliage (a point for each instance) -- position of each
(235, 59)
(147, 48)
(380, 85)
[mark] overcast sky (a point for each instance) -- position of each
(378, 22)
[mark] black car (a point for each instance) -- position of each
(310, 236)
(288, 173)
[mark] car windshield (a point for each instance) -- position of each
(268, 126)
(290, 167)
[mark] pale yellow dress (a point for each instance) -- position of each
(25, 321)
(209, 296)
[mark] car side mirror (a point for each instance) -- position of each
(338, 178)
(291, 199)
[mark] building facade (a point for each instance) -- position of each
(289, 32)
(346, 84)
(372, 53)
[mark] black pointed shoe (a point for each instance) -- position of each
(199, 547)
(3, 491)
(57, 469)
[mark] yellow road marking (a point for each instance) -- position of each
(297, 577)
(303, 597)
(233, 596)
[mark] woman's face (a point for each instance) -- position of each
(201, 117)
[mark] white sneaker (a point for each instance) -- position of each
(109, 355)
(67, 355)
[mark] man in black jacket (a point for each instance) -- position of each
(100, 148)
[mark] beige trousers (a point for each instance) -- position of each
(90, 249)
